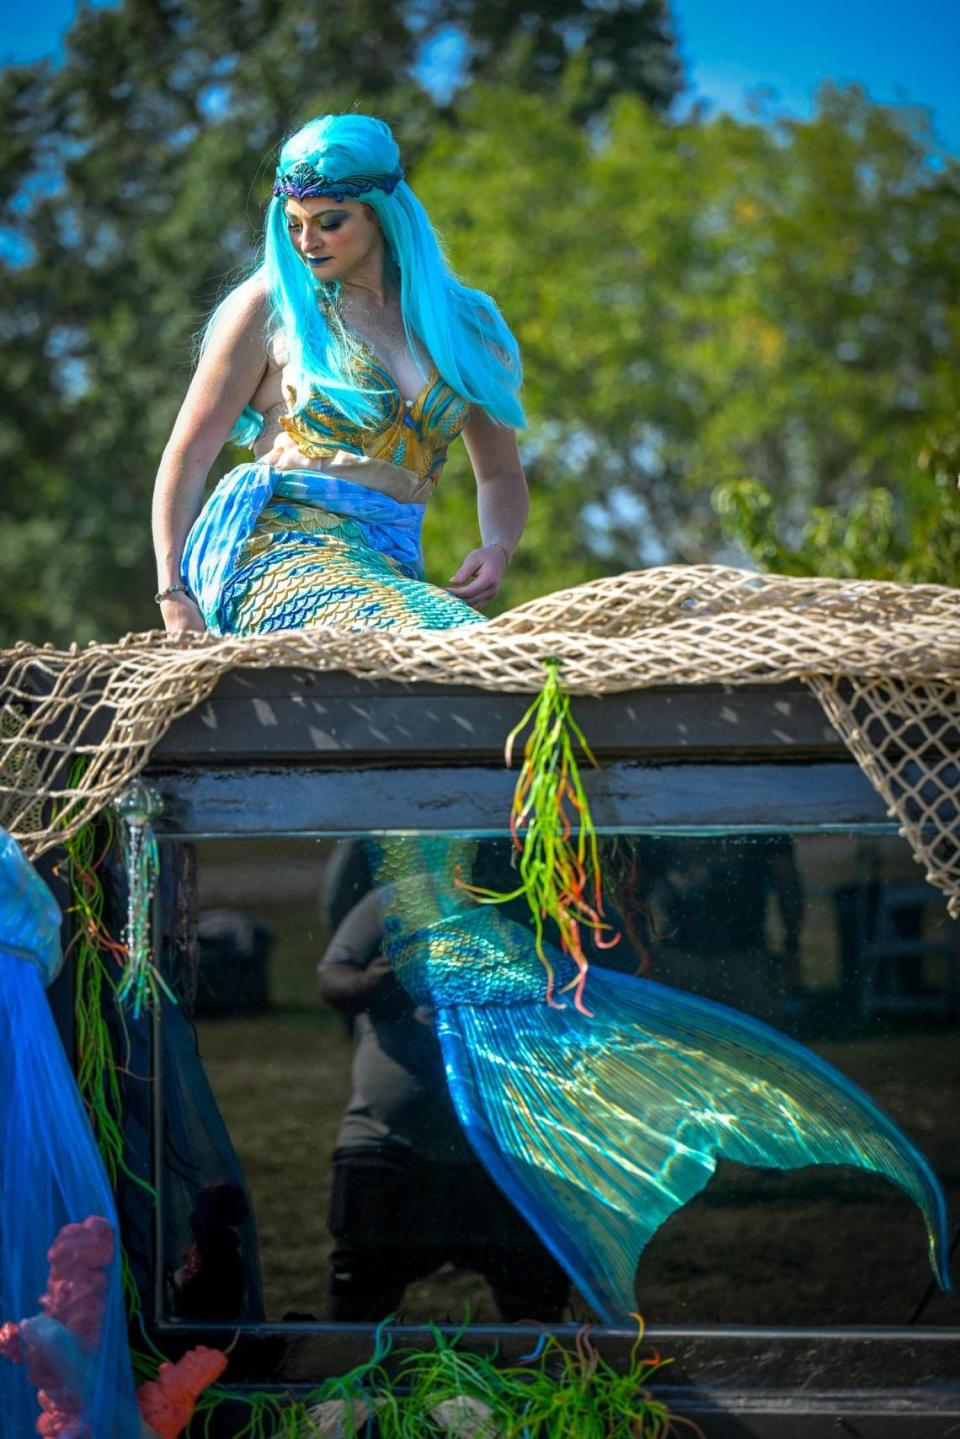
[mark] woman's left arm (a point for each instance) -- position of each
(502, 507)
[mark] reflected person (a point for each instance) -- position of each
(408, 1193)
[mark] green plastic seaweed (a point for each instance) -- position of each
(554, 834)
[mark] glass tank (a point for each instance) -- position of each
(313, 1167)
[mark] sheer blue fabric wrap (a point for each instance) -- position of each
(50, 1169)
(227, 520)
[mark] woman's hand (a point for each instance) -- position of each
(480, 576)
(181, 614)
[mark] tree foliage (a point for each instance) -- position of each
(584, 53)
(765, 314)
(735, 333)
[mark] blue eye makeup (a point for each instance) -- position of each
(294, 222)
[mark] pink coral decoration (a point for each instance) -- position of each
(57, 1343)
(77, 1288)
(54, 1423)
(74, 1301)
(167, 1402)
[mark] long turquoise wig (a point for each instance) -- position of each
(462, 329)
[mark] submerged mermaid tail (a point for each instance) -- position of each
(598, 1128)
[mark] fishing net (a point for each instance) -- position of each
(882, 658)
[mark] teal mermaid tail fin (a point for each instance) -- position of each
(599, 1128)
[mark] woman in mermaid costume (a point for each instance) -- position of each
(353, 358)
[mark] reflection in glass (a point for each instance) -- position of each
(827, 936)
(409, 1195)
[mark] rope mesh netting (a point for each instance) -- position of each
(883, 659)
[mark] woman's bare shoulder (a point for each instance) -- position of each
(250, 294)
(245, 312)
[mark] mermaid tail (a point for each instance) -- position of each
(285, 551)
(598, 1127)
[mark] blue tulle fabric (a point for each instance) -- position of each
(30, 916)
(50, 1170)
(228, 518)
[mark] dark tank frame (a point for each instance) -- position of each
(395, 756)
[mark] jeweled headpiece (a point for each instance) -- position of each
(304, 181)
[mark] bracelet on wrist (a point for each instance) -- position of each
(496, 545)
(162, 595)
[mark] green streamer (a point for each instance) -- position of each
(554, 834)
(557, 1392)
(97, 1067)
(97, 1071)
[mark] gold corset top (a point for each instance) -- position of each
(412, 434)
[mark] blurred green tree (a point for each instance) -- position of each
(765, 314)
(132, 179)
(583, 53)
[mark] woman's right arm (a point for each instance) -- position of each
(227, 376)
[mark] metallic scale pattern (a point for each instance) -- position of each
(303, 565)
(414, 436)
